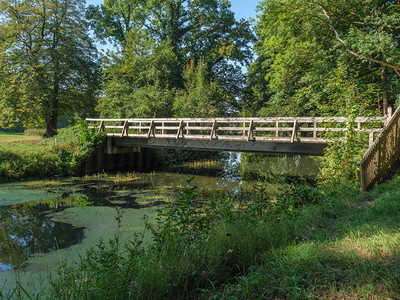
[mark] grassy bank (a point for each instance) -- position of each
(30, 157)
(306, 243)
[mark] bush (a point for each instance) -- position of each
(292, 198)
(73, 146)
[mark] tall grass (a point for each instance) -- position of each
(294, 247)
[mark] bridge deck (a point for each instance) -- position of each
(283, 135)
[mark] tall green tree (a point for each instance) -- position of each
(202, 30)
(139, 79)
(48, 64)
(302, 45)
(200, 98)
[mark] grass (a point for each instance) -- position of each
(346, 246)
(346, 250)
(17, 142)
(6, 137)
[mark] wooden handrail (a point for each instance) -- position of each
(279, 129)
(382, 153)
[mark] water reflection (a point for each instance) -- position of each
(271, 167)
(27, 228)
(4, 268)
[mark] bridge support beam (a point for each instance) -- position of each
(315, 149)
(110, 148)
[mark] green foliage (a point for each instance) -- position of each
(48, 64)
(56, 156)
(200, 97)
(140, 80)
(302, 44)
(159, 39)
(339, 165)
(180, 219)
(294, 197)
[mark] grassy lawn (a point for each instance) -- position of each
(19, 142)
(16, 137)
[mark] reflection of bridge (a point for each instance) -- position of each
(281, 135)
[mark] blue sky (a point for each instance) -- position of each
(241, 8)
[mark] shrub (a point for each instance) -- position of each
(56, 156)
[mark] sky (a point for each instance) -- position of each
(242, 8)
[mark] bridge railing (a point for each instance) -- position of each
(382, 154)
(279, 129)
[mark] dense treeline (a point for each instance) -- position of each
(186, 58)
(316, 56)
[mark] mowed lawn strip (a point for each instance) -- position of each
(16, 137)
(19, 142)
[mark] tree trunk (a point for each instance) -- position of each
(51, 123)
(52, 114)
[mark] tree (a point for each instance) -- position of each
(200, 98)
(201, 30)
(48, 63)
(139, 79)
(304, 43)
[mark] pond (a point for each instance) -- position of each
(45, 222)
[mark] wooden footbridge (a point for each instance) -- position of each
(280, 135)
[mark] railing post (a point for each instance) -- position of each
(277, 129)
(180, 130)
(101, 127)
(371, 138)
(125, 128)
(389, 112)
(213, 130)
(294, 131)
(151, 129)
(250, 133)
(362, 177)
(315, 130)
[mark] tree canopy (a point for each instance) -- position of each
(186, 58)
(202, 32)
(48, 63)
(305, 45)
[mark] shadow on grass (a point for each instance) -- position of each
(349, 249)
